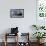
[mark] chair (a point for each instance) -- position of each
(14, 32)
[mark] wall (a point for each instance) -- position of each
(24, 24)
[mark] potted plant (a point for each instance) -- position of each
(39, 35)
(35, 26)
(42, 27)
(38, 27)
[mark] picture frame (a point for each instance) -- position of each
(41, 8)
(41, 12)
(16, 13)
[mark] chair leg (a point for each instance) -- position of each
(5, 40)
(5, 43)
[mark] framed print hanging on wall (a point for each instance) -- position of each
(41, 12)
(16, 13)
(41, 8)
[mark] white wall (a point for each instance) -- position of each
(24, 24)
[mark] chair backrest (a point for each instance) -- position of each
(14, 30)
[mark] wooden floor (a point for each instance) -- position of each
(13, 44)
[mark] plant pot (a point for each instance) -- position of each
(40, 41)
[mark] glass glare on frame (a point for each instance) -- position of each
(41, 8)
(41, 14)
(45, 14)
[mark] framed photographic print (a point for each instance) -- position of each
(41, 8)
(16, 13)
(41, 12)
